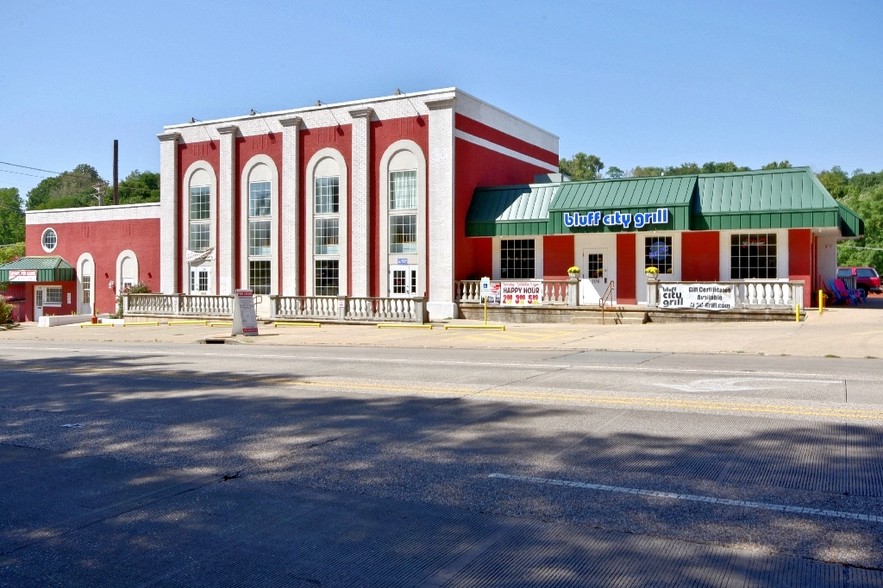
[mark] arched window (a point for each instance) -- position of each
(199, 186)
(260, 188)
(326, 223)
(403, 220)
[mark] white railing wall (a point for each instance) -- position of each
(749, 293)
(330, 308)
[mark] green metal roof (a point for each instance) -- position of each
(768, 199)
(510, 210)
(47, 268)
(629, 196)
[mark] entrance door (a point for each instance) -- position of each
(39, 299)
(403, 281)
(596, 276)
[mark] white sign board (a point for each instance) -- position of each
(22, 275)
(521, 293)
(245, 321)
(699, 296)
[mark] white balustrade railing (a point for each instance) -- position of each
(349, 308)
(177, 305)
(330, 308)
(748, 293)
(553, 291)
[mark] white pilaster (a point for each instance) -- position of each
(289, 222)
(360, 191)
(169, 248)
(226, 244)
(441, 210)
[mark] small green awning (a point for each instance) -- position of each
(47, 268)
(510, 210)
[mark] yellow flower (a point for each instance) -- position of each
(651, 270)
(573, 269)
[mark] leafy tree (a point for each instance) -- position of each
(835, 181)
(76, 188)
(784, 164)
(681, 170)
(12, 217)
(614, 172)
(647, 172)
(713, 167)
(139, 186)
(582, 167)
(11, 252)
(868, 250)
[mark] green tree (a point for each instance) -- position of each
(139, 186)
(784, 164)
(868, 250)
(715, 167)
(12, 217)
(615, 173)
(72, 189)
(835, 181)
(681, 170)
(647, 172)
(582, 167)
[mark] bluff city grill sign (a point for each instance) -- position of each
(616, 218)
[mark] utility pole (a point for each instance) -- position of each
(116, 171)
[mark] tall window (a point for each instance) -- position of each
(87, 289)
(517, 259)
(200, 215)
(753, 256)
(657, 253)
(403, 211)
(259, 250)
(326, 235)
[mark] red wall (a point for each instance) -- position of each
(477, 166)
(802, 262)
(626, 292)
(104, 240)
(557, 256)
(700, 256)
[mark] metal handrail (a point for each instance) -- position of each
(607, 297)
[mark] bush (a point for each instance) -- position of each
(139, 288)
(5, 313)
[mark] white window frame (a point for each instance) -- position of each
(326, 163)
(259, 168)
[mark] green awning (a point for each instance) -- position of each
(663, 203)
(769, 199)
(37, 269)
(510, 210)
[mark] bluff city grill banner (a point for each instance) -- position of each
(698, 296)
(521, 293)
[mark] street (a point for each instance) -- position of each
(171, 464)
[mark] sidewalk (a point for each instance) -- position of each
(855, 332)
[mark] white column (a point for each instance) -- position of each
(289, 221)
(226, 242)
(441, 210)
(170, 197)
(360, 193)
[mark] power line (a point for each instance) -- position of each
(31, 168)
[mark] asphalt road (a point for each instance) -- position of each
(170, 464)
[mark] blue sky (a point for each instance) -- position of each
(638, 83)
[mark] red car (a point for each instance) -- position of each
(866, 278)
